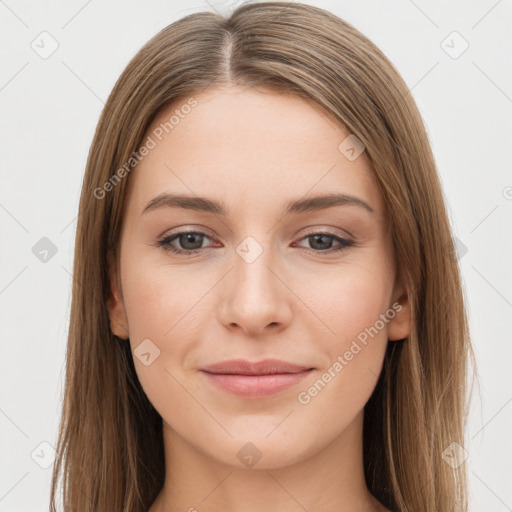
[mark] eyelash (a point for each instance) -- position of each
(165, 243)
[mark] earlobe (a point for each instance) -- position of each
(115, 305)
(399, 326)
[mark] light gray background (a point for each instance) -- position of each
(49, 110)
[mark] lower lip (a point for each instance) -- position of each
(255, 386)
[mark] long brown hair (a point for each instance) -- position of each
(110, 448)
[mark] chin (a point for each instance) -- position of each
(258, 453)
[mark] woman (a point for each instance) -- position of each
(267, 308)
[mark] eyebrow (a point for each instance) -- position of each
(204, 204)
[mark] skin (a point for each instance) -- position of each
(255, 151)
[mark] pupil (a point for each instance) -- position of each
(318, 238)
(189, 237)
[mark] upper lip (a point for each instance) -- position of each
(265, 367)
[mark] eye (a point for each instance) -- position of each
(323, 242)
(191, 241)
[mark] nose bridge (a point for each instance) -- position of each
(255, 297)
(253, 279)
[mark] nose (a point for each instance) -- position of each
(255, 298)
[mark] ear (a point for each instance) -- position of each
(399, 327)
(115, 304)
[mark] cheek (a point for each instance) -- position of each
(352, 306)
(162, 305)
(349, 301)
(161, 301)
(169, 306)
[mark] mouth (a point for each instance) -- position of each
(255, 380)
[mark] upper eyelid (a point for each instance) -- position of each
(316, 231)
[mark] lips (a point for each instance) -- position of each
(266, 367)
(255, 380)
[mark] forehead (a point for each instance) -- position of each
(249, 146)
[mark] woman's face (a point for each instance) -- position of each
(313, 285)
